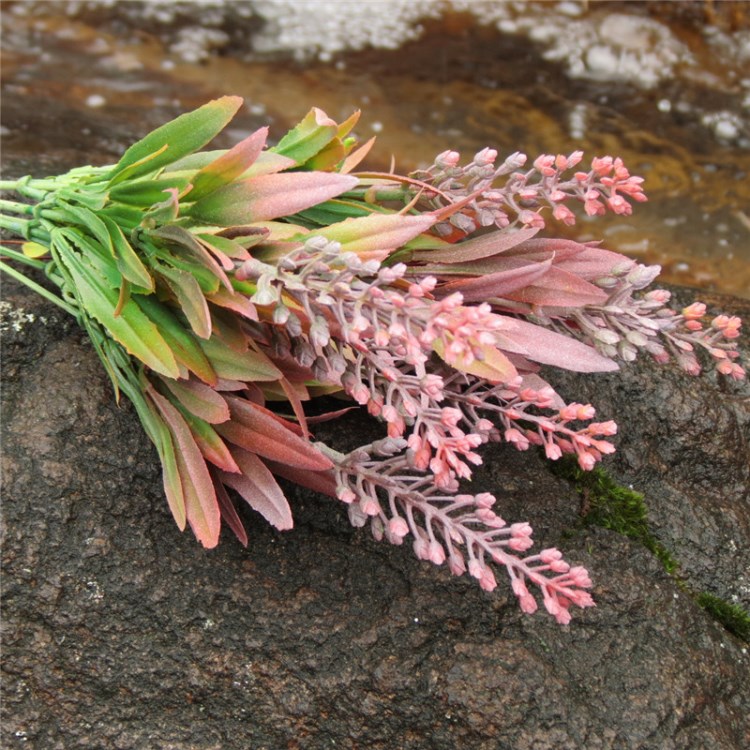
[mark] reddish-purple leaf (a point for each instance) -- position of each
(551, 348)
(199, 399)
(229, 166)
(592, 263)
(238, 303)
(209, 443)
(269, 197)
(558, 288)
(253, 428)
(317, 481)
(200, 499)
(229, 512)
(484, 246)
(259, 489)
(482, 288)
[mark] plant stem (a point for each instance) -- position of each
(21, 258)
(18, 226)
(16, 207)
(5, 268)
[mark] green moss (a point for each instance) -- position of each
(612, 506)
(733, 617)
(608, 504)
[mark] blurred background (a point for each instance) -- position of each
(665, 85)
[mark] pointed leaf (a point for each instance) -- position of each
(211, 446)
(190, 297)
(199, 399)
(259, 489)
(201, 506)
(377, 235)
(482, 288)
(251, 428)
(269, 163)
(229, 512)
(250, 366)
(147, 193)
(495, 366)
(128, 263)
(269, 197)
(181, 341)
(238, 303)
(551, 348)
(307, 138)
(355, 158)
(229, 166)
(182, 136)
(185, 244)
(484, 246)
(317, 481)
(131, 327)
(558, 288)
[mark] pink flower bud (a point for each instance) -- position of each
(344, 494)
(565, 215)
(484, 500)
(436, 553)
(398, 527)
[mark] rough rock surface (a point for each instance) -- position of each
(685, 444)
(119, 632)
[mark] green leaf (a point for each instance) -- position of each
(229, 166)
(182, 342)
(190, 298)
(231, 365)
(307, 138)
(376, 235)
(182, 136)
(191, 246)
(131, 327)
(146, 193)
(128, 262)
(86, 218)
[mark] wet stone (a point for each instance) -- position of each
(320, 636)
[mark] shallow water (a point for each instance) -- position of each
(87, 78)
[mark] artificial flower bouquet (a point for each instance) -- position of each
(223, 290)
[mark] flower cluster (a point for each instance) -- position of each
(278, 274)
(607, 185)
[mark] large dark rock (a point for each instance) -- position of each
(119, 632)
(685, 444)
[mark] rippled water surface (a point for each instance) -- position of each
(664, 85)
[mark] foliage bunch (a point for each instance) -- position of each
(217, 284)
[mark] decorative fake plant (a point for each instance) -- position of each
(224, 289)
